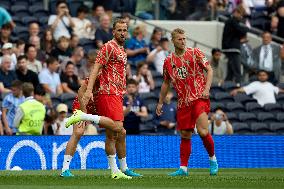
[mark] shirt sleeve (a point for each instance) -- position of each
(18, 117)
(98, 35)
(42, 78)
(201, 58)
(251, 88)
(276, 90)
(166, 74)
(103, 55)
(130, 44)
(6, 16)
(6, 103)
(51, 19)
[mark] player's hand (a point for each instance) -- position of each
(205, 94)
(8, 131)
(159, 110)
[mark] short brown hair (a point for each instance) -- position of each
(177, 31)
(240, 9)
(131, 82)
(63, 38)
(118, 21)
(28, 89)
(17, 84)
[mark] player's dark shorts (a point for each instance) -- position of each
(187, 116)
(110, 106)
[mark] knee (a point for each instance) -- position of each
(186, 135)
(122, 134)
(203, 132)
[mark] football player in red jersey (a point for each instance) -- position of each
(110, 73)
(185, 68)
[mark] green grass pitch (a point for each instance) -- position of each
(153, 178)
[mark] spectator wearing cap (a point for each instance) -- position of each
(5, 34)
(33, 64)
(104, 32)
(83, 27)
(61, 23)
(70, 81)
(9, 107)
(59, 125)
(7, 50)
(217, 65)
(30, 114)
(159, 54)
(5, 18)
(262, 90)
(49, 79)
(7, 76)
(24, 74)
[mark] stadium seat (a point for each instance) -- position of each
(241, 128)
(73, 6)
(253, 107)
(155, 74)
(223, 97)
(266, 117)
(38, 11)
(274, 108)
(243, 98)
(215, 88)
(280, 98)
(5, 6)
(21, 2)
(67, 96)
(280, 117)
(55, 100)
(20, 32)
(216, 105)
(280, 85)
(125, 6)
(235, 107)
(260, 128)
(146, 128)
(277, 127)
(233, 117)
(18, 21)
(43, 21)
(151, 108)
(20, 10)
(52, 6)
(248, 117)
(229, 86)
(150, 100)
(28, 19)
(158, 84)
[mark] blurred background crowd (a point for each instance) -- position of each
(52, 45)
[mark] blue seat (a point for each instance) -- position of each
(243, 98)
(242, 128)
(280, 117)
(223, 97)
(229, 86)
(274, 108)
(232, 117)
(235, 107)
(254, 107)
(29, 19)
(73, 7)
(248, 117)
(261, 128)
(280, 98)
(38, 11)
(20, 10)
(215, 105)
(266, 117)
(277, 127)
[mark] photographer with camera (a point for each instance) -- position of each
(219, 123)
(61, 24)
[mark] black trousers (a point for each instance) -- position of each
(234, 67)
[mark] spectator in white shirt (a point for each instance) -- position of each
(59, 125)
(61, 23)
(33, 64)
(144, 78)
(49, 79)
(7, 50)
(219, 124)
(83, 27)
(159, 54)
(262, 90)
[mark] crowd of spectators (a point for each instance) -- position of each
(57, 57)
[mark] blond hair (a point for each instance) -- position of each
(138, 30)
(177, 31)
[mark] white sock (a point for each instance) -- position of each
(66, 162)
(90, 117)
(184, 168)
(213, 158)
(123, 164)
(112, 163)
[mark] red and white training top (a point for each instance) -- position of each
(186, 73)
(112, 78)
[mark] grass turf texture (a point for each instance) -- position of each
(153, 178)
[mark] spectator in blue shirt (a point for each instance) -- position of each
(7, 75)
(5, 18)
(9, 106)
(137, 49)
(167, 121)
(133, 108)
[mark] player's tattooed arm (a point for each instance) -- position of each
(209, 71)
